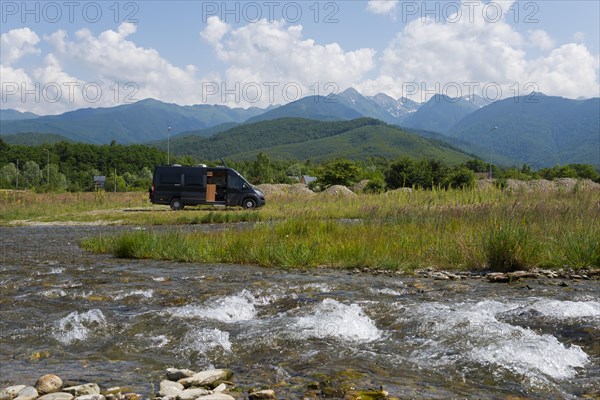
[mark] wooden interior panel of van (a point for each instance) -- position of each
(211, 190)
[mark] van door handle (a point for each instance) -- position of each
(177, 184)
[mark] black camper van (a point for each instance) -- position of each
(180, 186)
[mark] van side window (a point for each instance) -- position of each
(170, 177)
(193, 178)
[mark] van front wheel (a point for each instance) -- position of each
(249, 203)
(176, 204)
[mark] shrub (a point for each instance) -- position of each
(461, 178)
(338, 172)
(425, 174)
(375, 186)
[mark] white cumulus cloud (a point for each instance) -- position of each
(382, 6)
(541, 39)
(215, 30)
(114, 66)
(110, 58)
(17, 43)
(272, 52)
(472, 51)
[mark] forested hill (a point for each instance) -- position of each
(538, 130)
(298, 138)
(34, 138)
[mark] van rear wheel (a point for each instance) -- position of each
(176, 204)
(249, 203)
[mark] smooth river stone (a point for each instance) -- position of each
(217, 396)
(90, 397)
(174, 374)
(170, 389)
(191, 394)
(56, 396)
(27, 393)
(49, 383)
(206, 377)
(14, 390)
(81, 390)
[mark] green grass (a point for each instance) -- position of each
(47, 207)
(454, 229)
(441, 229)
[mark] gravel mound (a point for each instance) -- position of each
(399, 190)
(338, 190)
(298, 189)
(281, 189)
(270, 190)
(360, 186)
(546, 186)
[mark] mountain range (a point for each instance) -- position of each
(14, 115)
(143, 121)
(536, 129)
(440, 113)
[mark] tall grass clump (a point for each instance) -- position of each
(582, 249)
(128, 246)
(508, 247)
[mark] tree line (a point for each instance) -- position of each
(72, 167)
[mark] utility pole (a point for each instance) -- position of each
(491, 131)
(17, 174)
(115, 180)
(169, 146)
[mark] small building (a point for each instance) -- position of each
(99, 182)
(305, 179)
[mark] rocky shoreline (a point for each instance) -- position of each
(494, 277)
(181, 384)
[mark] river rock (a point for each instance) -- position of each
(113, 390)
(13, 391)
(523, 274)
(498, 277)
(170, 389)
(174, 374)
(262, 395)
(56, 396)
(439, 276)
(221, 388)
(206, 378)
(4, 395)
(49, 383)
(217, 396)
(27, 393)
(191, 394)
(594, 272)
(81, 390)
(90, 397)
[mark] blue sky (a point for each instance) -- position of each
(92, 54)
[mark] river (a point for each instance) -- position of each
(119, 322)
